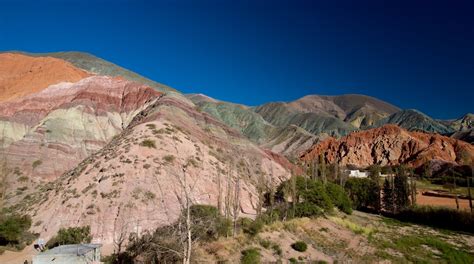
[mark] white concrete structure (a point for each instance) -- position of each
(358, 174)
(70, 254)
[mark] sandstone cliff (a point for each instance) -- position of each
(391, 145)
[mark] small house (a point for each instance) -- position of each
(70, 254)
(358, 174)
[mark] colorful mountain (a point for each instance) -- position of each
(415, 120)
(391, 145)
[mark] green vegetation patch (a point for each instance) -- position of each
(148, 143)
(36, 163)
(71, 235)
(14, 231)
(250, 256)
(299, 246)
(169, 158)
(419, 248)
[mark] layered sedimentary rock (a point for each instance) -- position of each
(463, 124)
(415, 120)
(135, 183)
(46, 133)
(22, 75)
(391, 145)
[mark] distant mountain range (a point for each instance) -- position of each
(82, 139)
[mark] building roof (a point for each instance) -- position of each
(75, 249)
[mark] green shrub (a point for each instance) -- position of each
(339, 197)
(313, 191)
(277, 249)
(364, 193)
(148, 143)
(250, 226)
(307, 209)
(151, 126)
(169, 158)
(293, 260)
(14, 229)
(265, 243)
(36, 163)
(440, 217)
(71, 235)
(312, 197)
(163, 245)
(250, 256)
(299, 246)
(207, 223)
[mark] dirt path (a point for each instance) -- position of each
(13, 257)
(441, 201)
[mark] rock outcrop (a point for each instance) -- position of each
(47, 133)
(415, 120)
(391, 145)
(135, 182)
(22, 75)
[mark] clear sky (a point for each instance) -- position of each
(414, 54)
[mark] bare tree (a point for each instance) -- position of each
(219, 191)
(412, 187)
(465, 159)
(271, 192)
(121, 230)
(322, 167)
(236, 205)
(4, 171)
(261, 188)
(453, 173)
(293, 194)
(315, 169)
(184, 197)
(228, 196)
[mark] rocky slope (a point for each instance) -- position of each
(335, 115)
(91, 63)
(135, 182)
(464, 135)
(463, 127)
(289, 141)
(237, 116)
(282, 115)
(359, 110)
(23, 75)
(463, 123)
(391, 145)
(415, 120)
(117, 152)
(47, 133)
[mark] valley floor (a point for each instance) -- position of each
(356, 238)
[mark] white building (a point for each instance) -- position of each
(358, 174)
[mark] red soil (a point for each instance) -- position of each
(441, 201)
(391, 145)
(21, 75)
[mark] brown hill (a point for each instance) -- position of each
(47, 133)
(133, 184)
(21, 75)
(391, 145)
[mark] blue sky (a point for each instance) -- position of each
(414, 54)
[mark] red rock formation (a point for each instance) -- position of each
(21, 75)
(391, 145)
(63, 124)
(135, 184)
(99, 93)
